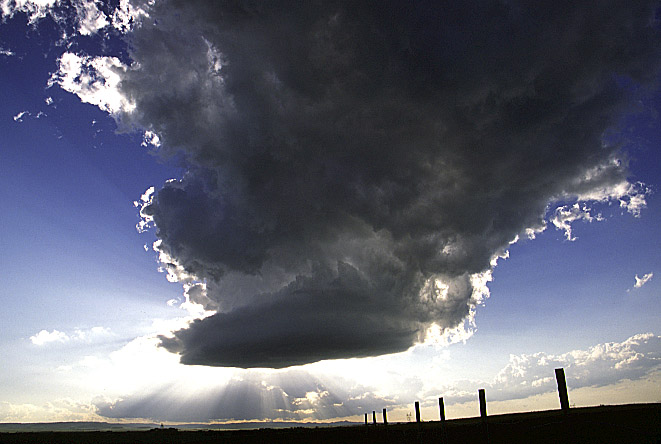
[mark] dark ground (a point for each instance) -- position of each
(636, 423)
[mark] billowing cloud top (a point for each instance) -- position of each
(355, 168)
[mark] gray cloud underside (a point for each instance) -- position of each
(309, 321)
(341, 155)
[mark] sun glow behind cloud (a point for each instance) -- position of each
(143, 381)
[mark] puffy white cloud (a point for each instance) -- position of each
(640, 281)
(128, 14)
(151, 138)
(93, 334)
(35, 9)
(46, 337)
(90, 18)
(94, 80)
(601, 364)
(85, 16)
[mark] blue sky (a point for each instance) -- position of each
(93, 330)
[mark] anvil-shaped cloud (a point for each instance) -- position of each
(353, 168)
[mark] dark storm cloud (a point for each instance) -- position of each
(344, 156)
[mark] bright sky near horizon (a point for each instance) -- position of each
(225, 211)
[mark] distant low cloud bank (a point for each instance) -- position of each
(600, 365)
(354, 170)
(45, 337)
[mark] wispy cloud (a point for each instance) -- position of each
(640, 281)
(564, 216)
(19, 117)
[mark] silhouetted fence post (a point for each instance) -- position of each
(483, 404)
(365, 418)
(483, 412)
(562, 389)
(441, 408)
(374, 417)
(385, 419)
(417, 411)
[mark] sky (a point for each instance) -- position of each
(237, 211)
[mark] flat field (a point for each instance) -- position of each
(635, 424)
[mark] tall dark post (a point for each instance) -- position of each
(483, 404)
(365, 418)
(562, 389)
(441, 408)
(417, 411)
(385, 418)
(483, 413)
(374, 417)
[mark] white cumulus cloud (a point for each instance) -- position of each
(35, 9)
(46, 337)
(597, 366)
(84, 17)
(94, 80)
(90, 18)
(88, 335)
